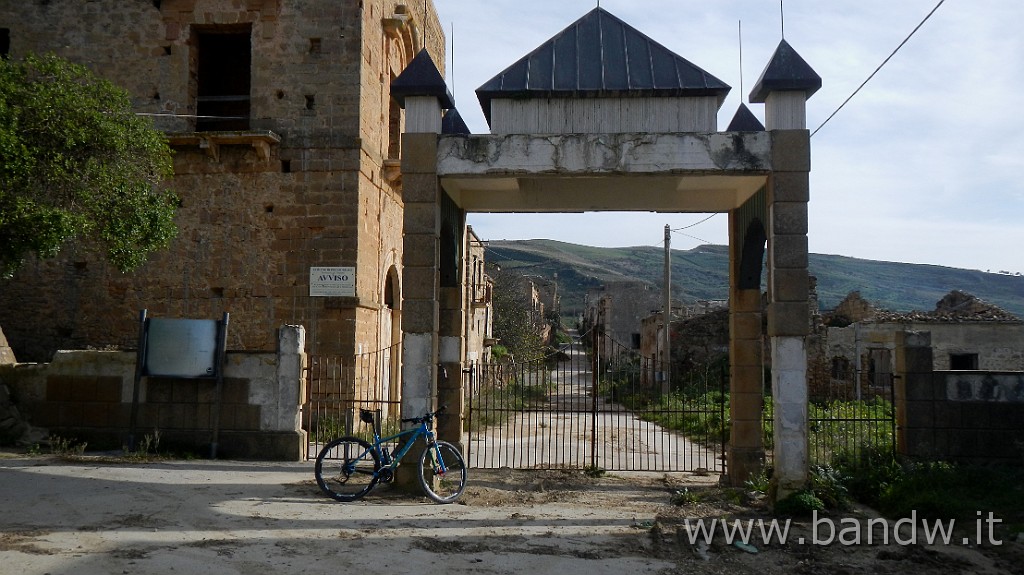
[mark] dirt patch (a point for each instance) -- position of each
(226, 516)
(24, 541)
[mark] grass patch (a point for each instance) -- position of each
(940, 490)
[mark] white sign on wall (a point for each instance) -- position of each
(332, 282)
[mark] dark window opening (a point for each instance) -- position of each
(636, 340)
(223, 64)
(963, 361)
(394, 128)
(840, 367)
(5, 42)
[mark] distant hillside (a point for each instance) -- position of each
(702, 274)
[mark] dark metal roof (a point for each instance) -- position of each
(745, 121)
(786, 72)
(421, 78)
(600, 55)
(452, 123)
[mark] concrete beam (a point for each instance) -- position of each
(604, 154)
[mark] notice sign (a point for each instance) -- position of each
(332, 282)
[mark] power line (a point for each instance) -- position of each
(880, 66)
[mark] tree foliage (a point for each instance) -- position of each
(516, 324)
(77, 162)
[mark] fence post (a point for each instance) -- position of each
(291, 383)
(913, 392)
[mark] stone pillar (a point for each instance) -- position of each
(789, 308)
(784, 86)
(421, 91)
(291, 387)
(745, 454)
(420, 290)
(914, 393)
(452, 353)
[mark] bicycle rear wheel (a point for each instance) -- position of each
(346, 468)
(442, 472)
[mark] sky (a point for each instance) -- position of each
(924, 165)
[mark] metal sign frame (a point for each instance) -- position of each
(144, 369)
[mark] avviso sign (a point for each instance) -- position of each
(332, 282)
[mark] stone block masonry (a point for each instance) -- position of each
(87, 395)
(304, 184)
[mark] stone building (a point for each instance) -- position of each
(856, 345)
(620, 307)
(478, 304)
(287, 159)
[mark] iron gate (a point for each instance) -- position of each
(338, 386)
(602, 407)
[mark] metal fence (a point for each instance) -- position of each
(338, 386)
(576, 409)
(851, 418)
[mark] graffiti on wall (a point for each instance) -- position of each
(1000, 387)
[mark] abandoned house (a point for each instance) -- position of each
(287, 163)
(856, 341)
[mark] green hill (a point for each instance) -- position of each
(702, 274)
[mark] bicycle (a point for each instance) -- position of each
(349, 467)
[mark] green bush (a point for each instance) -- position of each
(799, 504)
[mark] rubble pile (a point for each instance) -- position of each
(956, 306)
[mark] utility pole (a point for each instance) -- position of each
(666, 367)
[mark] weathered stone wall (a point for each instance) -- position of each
(999, 345)
(88, 395)
(253, 219)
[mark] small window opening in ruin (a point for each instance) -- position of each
(963, 361)
(310, 101)
(269, 208)
(5, 42)
(840, 367)
(286, 166)
(636, 340)
(167, 50)
(280, 94)
(223, 62)
(394, 129)
(315, 45)
(217, 291)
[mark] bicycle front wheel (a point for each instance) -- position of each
(346, 468)
(442, 472)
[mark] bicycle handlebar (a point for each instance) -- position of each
(426, 418)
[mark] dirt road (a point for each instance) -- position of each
(96, 517)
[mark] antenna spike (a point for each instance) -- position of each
(782, 14)
(741, 59)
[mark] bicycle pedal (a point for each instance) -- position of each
(386, 475)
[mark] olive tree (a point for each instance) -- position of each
(77, 163)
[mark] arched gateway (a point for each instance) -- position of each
(601, 117)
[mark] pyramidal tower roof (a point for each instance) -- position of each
(600, 55)
(786, 71)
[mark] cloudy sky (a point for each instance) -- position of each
(924, 165)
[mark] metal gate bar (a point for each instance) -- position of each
(338, 386)
(577, 410)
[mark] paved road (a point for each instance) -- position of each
(562, 432)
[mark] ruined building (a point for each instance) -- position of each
(287, 159)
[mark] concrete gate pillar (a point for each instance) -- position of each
(788, 307)
(421, 91)
(784, 87)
